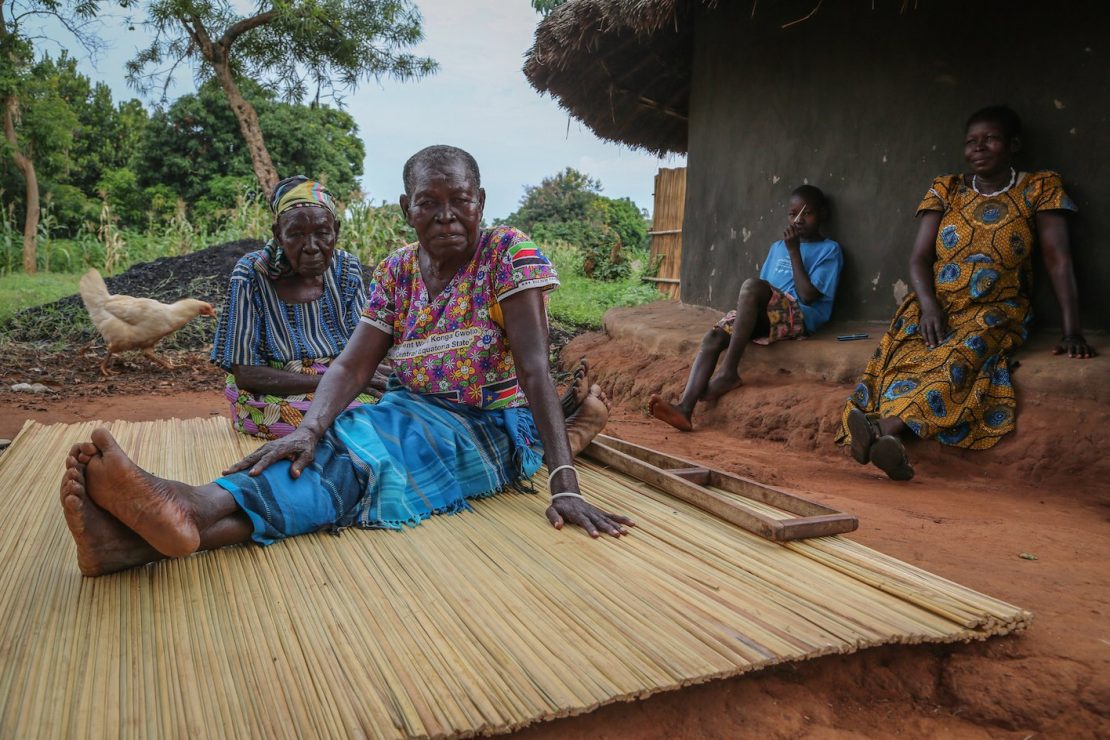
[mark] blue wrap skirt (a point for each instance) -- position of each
(392, 464)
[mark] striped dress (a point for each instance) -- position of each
(258, 328)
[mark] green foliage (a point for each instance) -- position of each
(372, 232)
(581, 301)
(78, 139)
(546, 6)
(569, 207)
(563, 198)
(194, 146)
(296, 46)
(18, 291)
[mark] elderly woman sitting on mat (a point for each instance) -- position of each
(470, 412)
(291, 308)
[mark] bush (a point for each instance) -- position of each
(581, 301)
(372, 232)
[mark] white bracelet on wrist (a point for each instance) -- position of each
(551, 473)
(566, 494)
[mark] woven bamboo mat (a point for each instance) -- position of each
(480, 622)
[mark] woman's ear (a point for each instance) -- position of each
(404, 200)
(276, 231)
(1015, 144)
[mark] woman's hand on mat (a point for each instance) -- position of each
(299, 446)
(587, 516)
(933, 325)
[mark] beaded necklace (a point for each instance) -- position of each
(1013, 179)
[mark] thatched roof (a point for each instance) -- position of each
(622, 67)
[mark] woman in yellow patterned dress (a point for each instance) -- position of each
(942, 368)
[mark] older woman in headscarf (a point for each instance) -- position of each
(291, 308)
(471, 410)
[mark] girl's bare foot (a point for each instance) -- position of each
(588, 421)
(160, 511)
(104, 545)
(719, 385)
(669, 413)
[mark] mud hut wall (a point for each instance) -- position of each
(869, 105)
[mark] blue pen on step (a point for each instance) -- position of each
(850, 337)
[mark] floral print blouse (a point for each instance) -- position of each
(454, 345)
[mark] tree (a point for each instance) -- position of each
(546, 6)
(78, 136)
(291, 45)
(564, 197)
(16, 56)
(569, 207)
(192, 145)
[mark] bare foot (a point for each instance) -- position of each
(719, 385)
(104, 545)
(588, 420)
(158, 510)
(863, 434)
(578, 389)
(673, 415)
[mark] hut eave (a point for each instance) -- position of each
(622, 67)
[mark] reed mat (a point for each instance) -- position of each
(481, 622)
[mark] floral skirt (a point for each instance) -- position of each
(959, 392)
(269, 416)
(783, 314)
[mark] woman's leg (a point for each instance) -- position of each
(588, 419)
(891, 425)
(678, 415)
(751, 321)
(104, 544)
(172, 517)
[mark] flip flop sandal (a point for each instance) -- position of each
(860, 427)
(889, 455)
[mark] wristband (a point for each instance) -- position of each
(566, 494)
(551, 473)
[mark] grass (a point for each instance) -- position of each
(19, 291)
(581, 301)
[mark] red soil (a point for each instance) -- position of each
(966, 516)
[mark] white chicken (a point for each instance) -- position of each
(127, 323)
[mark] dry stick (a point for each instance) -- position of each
(804, 18)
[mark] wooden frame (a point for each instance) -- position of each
(689, 481)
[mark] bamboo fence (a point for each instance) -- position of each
(481, 622)
(666, 229)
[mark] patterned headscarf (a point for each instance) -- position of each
(292, 192)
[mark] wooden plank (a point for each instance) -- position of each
(700, 476)
(686, 480)
(664, 231)
(674, 281)
(704, 499)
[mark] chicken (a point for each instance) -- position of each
(135, 323)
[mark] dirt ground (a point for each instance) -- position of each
(967, 516)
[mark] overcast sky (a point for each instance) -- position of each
(479, 100)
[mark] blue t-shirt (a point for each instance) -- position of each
(822, 261)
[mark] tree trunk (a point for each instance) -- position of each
(27, 167)
(248, 125)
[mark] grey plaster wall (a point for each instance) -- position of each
(870, 105)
